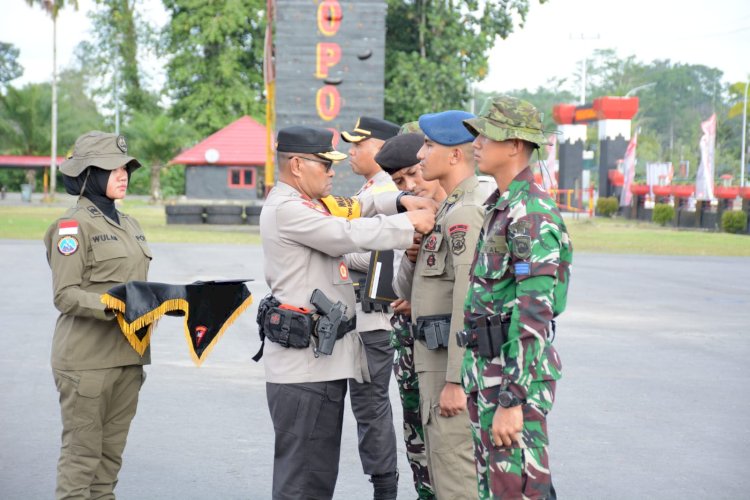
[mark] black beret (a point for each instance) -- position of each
(302, 139)
(369, 128)
(399, 152)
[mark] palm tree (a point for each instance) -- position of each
(53, 8)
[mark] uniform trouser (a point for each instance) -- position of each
(371, 406)
(307, 420)
(408, 388)
(97, 407)
(519, 472)
(448, 442)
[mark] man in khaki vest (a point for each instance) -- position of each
(438, 282)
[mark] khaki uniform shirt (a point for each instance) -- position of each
(368, 322)
(440, 278)
(105, 254)
(303, 249)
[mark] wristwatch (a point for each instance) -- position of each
(507, 399)
(399, 207)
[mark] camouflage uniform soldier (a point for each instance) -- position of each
(519, 281)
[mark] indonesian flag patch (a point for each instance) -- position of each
(67, 227)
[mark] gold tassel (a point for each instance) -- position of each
(113, 303)
(149, 319)
(198, 361)
(136, 343)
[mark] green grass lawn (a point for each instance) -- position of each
(604, 235)
(29, 222)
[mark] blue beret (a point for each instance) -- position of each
(447, 128)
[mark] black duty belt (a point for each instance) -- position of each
(434, 330)
(296, 327)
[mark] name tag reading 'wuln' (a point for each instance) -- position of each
(379, 283)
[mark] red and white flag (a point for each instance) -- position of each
(67, 227)
(549, 168)
(704, 178)
(628, 172)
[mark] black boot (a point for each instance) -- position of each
(385, 486)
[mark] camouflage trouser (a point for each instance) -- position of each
(521, 472)
(408, 388)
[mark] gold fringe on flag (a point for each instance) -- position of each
(149, 319)
(199, 360)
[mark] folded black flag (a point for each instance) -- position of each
(209, 308)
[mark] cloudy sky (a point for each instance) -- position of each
(557, 34)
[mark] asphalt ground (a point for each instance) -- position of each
(653, 403)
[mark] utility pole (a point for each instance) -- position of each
(53, 157)
(117, 100)
(744, 137)
(584, 38)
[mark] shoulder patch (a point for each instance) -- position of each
(521, 246)
(67, 245)
(458, 227)
(522, 268)
(457, 234)
(65, 227)
(315, 207)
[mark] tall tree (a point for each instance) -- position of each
(113, 56)
(215, 68)
(25, 114)
(156, 138)
(53, 9)
(9, 67)
(436, 49)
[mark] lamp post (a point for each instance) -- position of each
(744, 135)
(640, 87)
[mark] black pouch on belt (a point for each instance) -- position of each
(288, 327)
(434, 330)
(492, 333)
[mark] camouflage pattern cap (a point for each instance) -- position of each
(503, 118)
(98, 149)
(410, 128)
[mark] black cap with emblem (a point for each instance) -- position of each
(399, 152)
(371, 128)
(303, 139)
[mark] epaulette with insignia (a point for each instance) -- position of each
(315, 207)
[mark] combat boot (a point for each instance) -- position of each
(385, 486)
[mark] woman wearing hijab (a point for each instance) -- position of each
(98, 374)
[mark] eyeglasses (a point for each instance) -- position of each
(328, 164)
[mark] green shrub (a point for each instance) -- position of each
(734, 221)
(607, 207)
(173, 180)
(663, 214)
